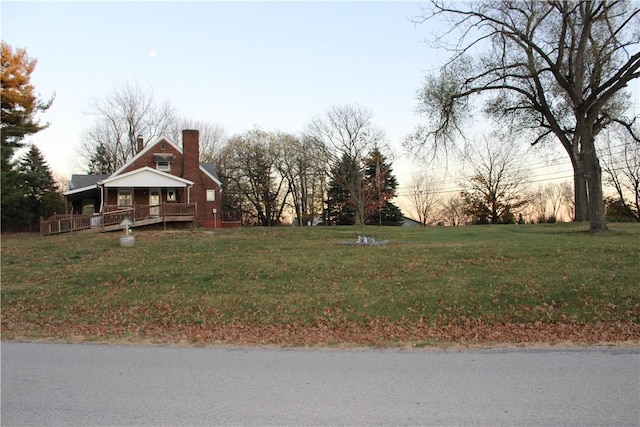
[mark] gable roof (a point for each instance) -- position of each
(146, 177)
(146, 148)
(210, 170)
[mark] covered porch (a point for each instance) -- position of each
(145, 196)
(140, 215)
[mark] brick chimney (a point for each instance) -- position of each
(191, 154)
(140, 141)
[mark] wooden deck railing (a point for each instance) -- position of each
(65, 223)
(114, 215)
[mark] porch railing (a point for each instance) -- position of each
(65, 223)
(114, 215)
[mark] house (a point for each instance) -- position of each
(160, 184)
(410, 222)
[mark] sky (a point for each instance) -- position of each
(275, 65)
(271, 64)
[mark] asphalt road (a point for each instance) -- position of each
(84, 384)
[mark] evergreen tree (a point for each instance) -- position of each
(101, 162)
(29, 192)
(13, 210)
(340, 209)
(381, 187)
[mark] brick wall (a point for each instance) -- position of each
(147, 159)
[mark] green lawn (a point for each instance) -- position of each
(301, 286)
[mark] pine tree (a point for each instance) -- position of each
(101, 162)
(340, 209)
(381, 188)
(32, 193)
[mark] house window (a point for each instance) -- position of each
(124, 198)
(163, 166)
(88, 206)
(211, 195)
(171, 195)
(163, 145)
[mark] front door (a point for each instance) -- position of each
(154, 201)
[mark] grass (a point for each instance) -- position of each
(300, 286)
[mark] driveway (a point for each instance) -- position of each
(84, 384)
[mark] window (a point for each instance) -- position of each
(124, 198)
(211, 195)
(163, 166)
(88, 206)
(171, 195)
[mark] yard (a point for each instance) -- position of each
(474, 285)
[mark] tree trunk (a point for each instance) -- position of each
(580, 192)
(593, 174)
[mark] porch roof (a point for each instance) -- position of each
(146, 177)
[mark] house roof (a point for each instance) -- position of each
(146, 177)
(207, 168)
(147, 147)
(143, 177)
(82, 181)
(210, 170)
(410, 222)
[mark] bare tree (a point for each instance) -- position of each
(621, 163)
(453, 210)
(348, 132)
(555, 198)
(556, 69)
(303, 164)
(250, 171)
(423, 198)
(212, 137)
(495, 191)
(546, 201)
(567, 199)
(124, 114)
(538, 204)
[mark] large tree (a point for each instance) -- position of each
(20, 107)
(212, 137)
(29, 192)
(348, 134)
(20, 104)
(303, 165)
(556, 69)
(124, 114)
(340, 206)
(380, 187)
(250, 173)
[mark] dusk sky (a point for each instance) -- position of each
(271, 64)
(239, 64)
